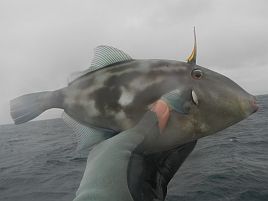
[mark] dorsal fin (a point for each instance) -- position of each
(103, 56)
(192, 58)
(106, 55)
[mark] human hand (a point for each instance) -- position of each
(119, 170)
(149, 175)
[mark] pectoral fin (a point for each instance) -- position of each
(178, 100)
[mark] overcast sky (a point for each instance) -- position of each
(42, 42)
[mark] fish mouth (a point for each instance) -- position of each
(194, 97)
(253, 104)
(249, 105)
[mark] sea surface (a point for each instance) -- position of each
(38, 162)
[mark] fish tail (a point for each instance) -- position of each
(29, 106)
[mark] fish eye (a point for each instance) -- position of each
(197, 74)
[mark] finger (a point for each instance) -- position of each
(161, 109)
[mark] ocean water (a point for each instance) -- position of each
(38, 163)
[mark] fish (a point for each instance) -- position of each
(116, 90)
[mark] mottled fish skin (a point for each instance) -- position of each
(116, 90)
(117, 96)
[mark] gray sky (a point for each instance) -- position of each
(42, 42)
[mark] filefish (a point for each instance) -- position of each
(114, 93)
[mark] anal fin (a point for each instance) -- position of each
(85, 136)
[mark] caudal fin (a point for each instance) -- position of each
(27, 107)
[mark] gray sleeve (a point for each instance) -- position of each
(105, 177)
(148, 176)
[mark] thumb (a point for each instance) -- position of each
(161, 109)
